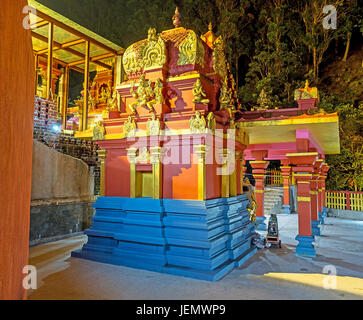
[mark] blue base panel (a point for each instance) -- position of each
(315, 230)
(305, 247)
(286, 209)
(261, 225)
(197, 239)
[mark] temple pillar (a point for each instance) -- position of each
(244, 168)
(156, 160)
(233, 176)
(320, 197)
(49, 94)
(131, 154)
(303, 174)
(65, 98)
(314, 203)
(102, 158)
(225, 174)
(200, 151)
(259, 170)
(317, 178)
(86, 87)
(325, 169)
(239, 166)
(286, 171)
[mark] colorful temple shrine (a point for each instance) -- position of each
(174, 147)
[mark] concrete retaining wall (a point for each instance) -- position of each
(62, 195)
(345, 214)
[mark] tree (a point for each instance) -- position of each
(275, 68)
(231, 19)
(317, 38)
(346, 168)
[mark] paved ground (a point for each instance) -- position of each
(270, 274)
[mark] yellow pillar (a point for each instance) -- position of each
(36, 62)
(65, 97)
(102, 158)
(156, 160)
(225, 174)
(233, 177)
(200, 151)
(86, 86)
(131, 154)
(50, 59)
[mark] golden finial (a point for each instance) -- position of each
(177, 18)
(210, 26)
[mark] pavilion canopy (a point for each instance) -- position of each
(69, 40)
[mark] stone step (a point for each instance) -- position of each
(273, 193)
(273, 197)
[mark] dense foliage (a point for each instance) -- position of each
(272, 45)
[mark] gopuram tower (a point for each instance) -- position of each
(171, 162)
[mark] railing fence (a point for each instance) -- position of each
(344, 200)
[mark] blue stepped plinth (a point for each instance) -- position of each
(198, 239)
(126, 231)
(239, 230)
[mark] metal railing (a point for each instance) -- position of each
(274, 178)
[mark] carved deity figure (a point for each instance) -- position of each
(98, 131)
(105, 95)
(153, 126)
(158, 92)
(253, 203)
(225, 98)
(144, 95)
(130, 127)
(211, 122)
(151, 35)
(219, 57)
(199, 93)
(197, 124)
(112, 102)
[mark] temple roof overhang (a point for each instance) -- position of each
(324, 128)
(69, 40)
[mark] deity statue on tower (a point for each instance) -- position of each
(225, 98)
(144, 95)
(197, 124)
(199, 93)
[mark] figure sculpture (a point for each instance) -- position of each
(144, 95)
(199, 93)
(98, 131)
(112, 102)
(211, 122)
(197, 124)
(225, 98)
(158, 91)
(153, 126)
(129, 127)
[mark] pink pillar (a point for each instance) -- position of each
(259, 170)
(314, 206)
(303, 174)
(325, 170)
(286, 171)
(320, 194)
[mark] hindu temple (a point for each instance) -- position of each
(173, 157)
